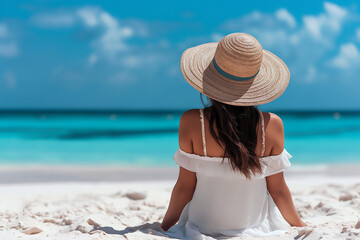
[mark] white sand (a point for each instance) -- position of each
(74, 210)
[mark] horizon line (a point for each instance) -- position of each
(156, 111)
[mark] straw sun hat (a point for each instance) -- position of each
(235, 71)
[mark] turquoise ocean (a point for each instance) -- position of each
(149, 138)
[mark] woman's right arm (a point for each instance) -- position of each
(186, 183)
(276, 184)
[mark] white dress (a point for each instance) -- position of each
(226, 204)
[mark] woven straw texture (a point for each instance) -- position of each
(240, 55)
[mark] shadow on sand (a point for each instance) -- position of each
(154, 229)
(147, 228)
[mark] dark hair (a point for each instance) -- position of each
(236, 133)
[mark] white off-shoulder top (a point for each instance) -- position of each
(225, 203)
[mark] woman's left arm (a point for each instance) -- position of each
(181, 195)
(281, 195)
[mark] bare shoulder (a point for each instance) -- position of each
(188, 119)
(189, 116)
(275, 122)
(187, 126)
(274, 132)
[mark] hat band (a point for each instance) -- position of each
(232, 77)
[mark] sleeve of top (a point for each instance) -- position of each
(182, 160)
(277, 163)
(208, 166)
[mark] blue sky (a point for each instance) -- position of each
(125, 55)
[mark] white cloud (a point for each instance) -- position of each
(8, 49)
(272, 32)
(111, 34)
(111, 42)
(53, 20)
(89, 16)
(10, 79)
(328, 22)
(255, 20)
(112, 39)
(334, 10)
(284, 15)
(313, 25)
(348, 57)
(305, 46)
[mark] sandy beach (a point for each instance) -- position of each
(98, 203)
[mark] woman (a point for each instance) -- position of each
(231, 155)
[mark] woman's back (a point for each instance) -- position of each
(225, 201)
(191, 130)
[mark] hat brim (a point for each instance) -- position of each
(199, 71)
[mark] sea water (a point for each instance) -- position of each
(150, 138)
